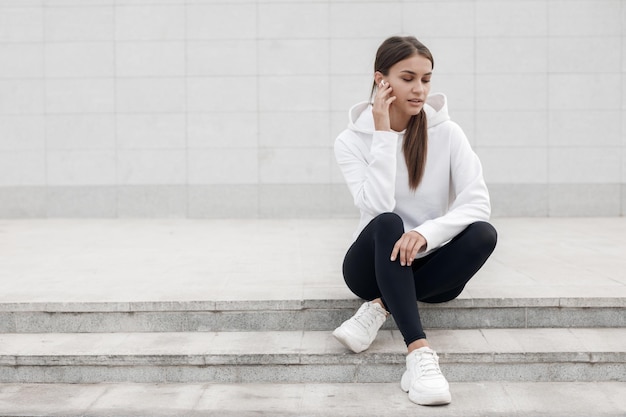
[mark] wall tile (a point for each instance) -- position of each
(338, 123)
(21, 96)
(21, 24)
(150, 2)
(22, 132)
(514, 165)
(18, 168)
(222, 130)
(79, 23)
(227, 96)
(584, 200)
(624, 52)
(216, 1)
(150, 131)
(460, 89)
(298, 93)
(501, 18)
(80, 131)
(439, 18)
(294, 129)
(585, 18)
(352, 56)
(56, 3)
(21, 60)
(499, 92)
(347, 90)
(222, 21)
(585, 165)
(511, 55)
(150, 22)
(80, 95)
(512, 128)
(623, 127)
(223, 201)
(222, 57)
(466, 119)
(294, 57)
(369, 23)
(76, 202)
(222, 94)
(76, 60)
(452, 55)
(80, 167)
(519, 200)
(138, 95)
(20, 3)
(585, 128)
(584, 55)
(152, 201)
(623, 178)
(294, 200)
(341, 203)
(152, 166)
(599, 91)
(278, 20)
(150, 59)
(223, 166)
(22, 202)
(294, 166)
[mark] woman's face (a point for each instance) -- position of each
(410, 81)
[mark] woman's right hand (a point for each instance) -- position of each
(380, 108)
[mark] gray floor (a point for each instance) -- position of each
(335, 400)
(56, 261)
(46, 265)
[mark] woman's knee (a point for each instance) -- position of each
(484, 235)
(389, 221)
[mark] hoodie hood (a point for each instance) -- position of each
(361, 118)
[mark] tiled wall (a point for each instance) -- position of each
(200, 108)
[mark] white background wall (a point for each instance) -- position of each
(205, 108)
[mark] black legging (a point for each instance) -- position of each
(438, 277)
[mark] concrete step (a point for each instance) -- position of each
(309, 356)
(511, 399)
(314, 315)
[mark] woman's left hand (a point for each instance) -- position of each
(408, 246)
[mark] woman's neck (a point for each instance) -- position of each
(398, 122)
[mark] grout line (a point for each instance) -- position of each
(258, 148)
(186, 122)
(547, 114)
(115, 116)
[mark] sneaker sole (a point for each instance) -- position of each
(345, 339)
(430, 399)
(441, 398)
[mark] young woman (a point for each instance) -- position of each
(424, 206)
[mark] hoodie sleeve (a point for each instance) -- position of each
(471, 202)
(369, 173)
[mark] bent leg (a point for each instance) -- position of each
(370, 274)
(442, 275)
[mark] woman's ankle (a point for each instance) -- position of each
(419, 343)
(379, 301)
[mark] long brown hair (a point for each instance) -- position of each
(415, 146)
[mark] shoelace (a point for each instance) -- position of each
(364, 318)
(428, 364)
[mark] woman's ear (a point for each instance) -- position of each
(378, 77)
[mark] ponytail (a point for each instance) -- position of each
(415, 148)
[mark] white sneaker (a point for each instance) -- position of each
(423, 379)
(358, 332)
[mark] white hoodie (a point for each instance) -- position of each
(452, 194)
